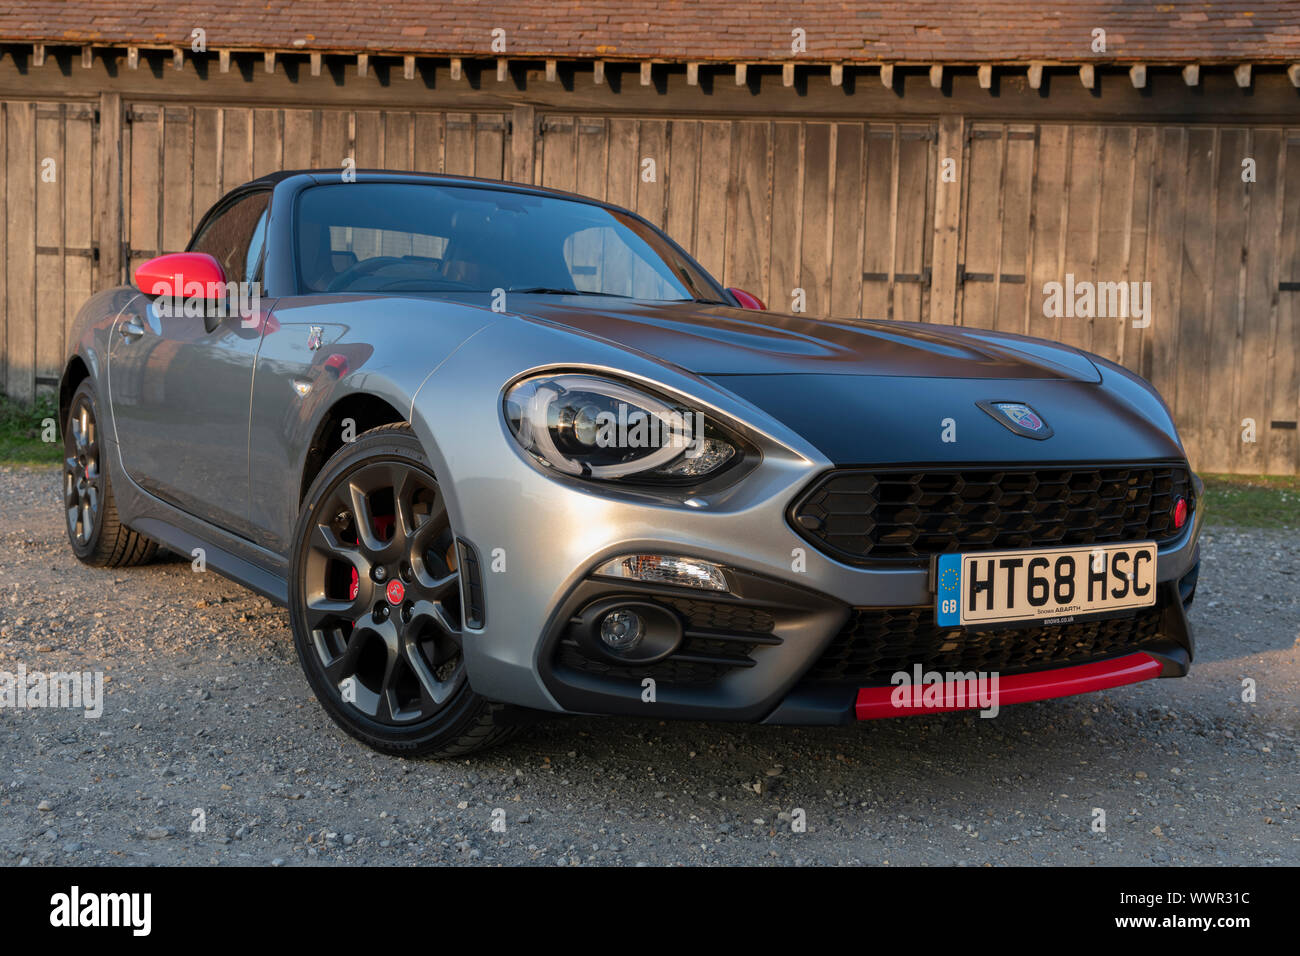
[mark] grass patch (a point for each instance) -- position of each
(21, 430)
(1252, 501)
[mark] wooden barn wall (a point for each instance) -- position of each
(854, 215)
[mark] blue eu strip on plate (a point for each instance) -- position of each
(947, 588)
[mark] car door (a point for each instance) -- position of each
(180, 384)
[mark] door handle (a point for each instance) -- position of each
(131, 329)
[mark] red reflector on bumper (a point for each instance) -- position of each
(876, 702)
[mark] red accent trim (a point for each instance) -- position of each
(876, 702)
(748, 300)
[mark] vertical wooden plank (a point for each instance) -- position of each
(947, 223)
(814, 256)
(878, 220)
(683, 182)
(1165, 263)
(652, 144)
(334, 145)
(559, 153)
(178, 220)
(206, 161)
(108, 190)
(591, 143)
(1137, 268)
(237, 148)
(523, 126)
(296, 147)
(460, 144)
(78, 187)
(369, 139)
(749, 242)
(1045, 250)
(911, 214)
(1013, 251)
(711, 224)
(1113, 237)
(982, 237)
(490, 146)
(1081, 215)
(268, 142)
(1256, 365)
(1220, 433)
(5, 175)
(850, 197)
(398, 139)
(787, 214)
(20, 261)
(1284, 353)
(49, 312)
(428, 142)
(1184, 336)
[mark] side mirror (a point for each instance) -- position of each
(748, 301)
(182, 275)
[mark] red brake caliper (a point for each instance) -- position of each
(355, 587)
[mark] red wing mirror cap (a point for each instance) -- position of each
(748, 301)
(182, 275)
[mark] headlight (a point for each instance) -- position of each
(601, 429)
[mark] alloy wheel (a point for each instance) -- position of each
(382, 593)
(82, 481)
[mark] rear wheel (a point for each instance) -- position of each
(96, 534)
(375, 603)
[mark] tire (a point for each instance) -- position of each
(96, 533)
(374, 602)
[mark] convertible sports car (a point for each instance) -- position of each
(503, 450)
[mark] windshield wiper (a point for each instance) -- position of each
(547, 290)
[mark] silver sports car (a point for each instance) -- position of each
(503, 450)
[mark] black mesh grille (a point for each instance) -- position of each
(866, 516)
(876, 643)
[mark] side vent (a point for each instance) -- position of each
(471, 585)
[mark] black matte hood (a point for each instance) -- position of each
(720, 340)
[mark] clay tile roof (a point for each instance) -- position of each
(927, 31)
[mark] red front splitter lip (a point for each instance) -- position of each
(877, 702)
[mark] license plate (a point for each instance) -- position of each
(1054, 585)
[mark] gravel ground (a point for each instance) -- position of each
(205, 709)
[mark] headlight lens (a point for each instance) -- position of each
(601, 429)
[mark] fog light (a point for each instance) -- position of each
(1180, 513)
(622, 630)
(663, 569)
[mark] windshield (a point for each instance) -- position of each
(409, 237)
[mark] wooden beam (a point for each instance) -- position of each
(646, 76)
(887, 75)
(503, 69)
(455, 68)
(936, 76)
(1035, 76)
(133, 58)
(1293, 74)
(1087, 76)
(787, 74)
(837, 74)
(598, 72)
(552, 71)
(1192, 74)
(741, 69)
(38, 54)
(108, 190)
(223, 60)
(363, 64)
(87, 57)
(692, 74)
(408, 67)
(986, 77)
(178, 58)
(947, 222)
(315, 59)
(1242, 73)
(268, 61)
(1137, 75)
